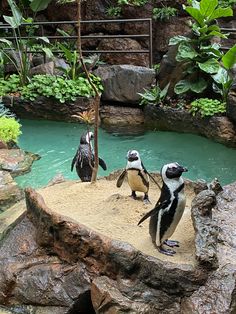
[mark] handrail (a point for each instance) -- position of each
(144, 51)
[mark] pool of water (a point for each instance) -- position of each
(57, 142)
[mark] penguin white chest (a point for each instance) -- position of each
(181, 201)
(136, 182)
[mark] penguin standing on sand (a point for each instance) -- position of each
(84, 158)
(137, 175)
(169, 208)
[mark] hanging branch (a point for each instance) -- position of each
(97, 96)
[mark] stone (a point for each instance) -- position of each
(16, 161)
(122, 83)
(50, 68)
(121, 116)
(10, 193)
(126, 44)
(48, 109)
(217, 128)
(206, 230)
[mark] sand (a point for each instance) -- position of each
(112, 212)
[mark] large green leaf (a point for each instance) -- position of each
(185, 51)
(39, 5)
(221, 77)
(195, 13)
(15, 20)
(211, 66)
(207, 7)
(5, 41)
(198, 86)
(221, 12)
(182, 87)
(178, 39)
(229, 59)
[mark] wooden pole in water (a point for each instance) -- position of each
(96, 98)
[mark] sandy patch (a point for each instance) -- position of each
(109, 210)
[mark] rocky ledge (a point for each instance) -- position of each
(53, 262)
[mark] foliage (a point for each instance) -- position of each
(59, 88)
(132, 2)
(226, 3)
(5, 112)
(199, 56)
(153, 96)
(207, 107)
(222, 79)
(9, 129)
(114, 11)
(164, 13)
(11, 85)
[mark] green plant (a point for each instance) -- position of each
(132, 2)
(226, 3)
(164, 13)
(199, 56)
(113, 11)
(10, 85)
(207, 107)
(153, 96)
(9, 129)
(5, 112)
(59, 88)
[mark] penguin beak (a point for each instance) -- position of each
(184, 169)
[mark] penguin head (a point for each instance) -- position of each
(172, 171)
(86, 138)
(134, 160)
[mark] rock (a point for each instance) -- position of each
(119, 116)
(10, 193)
(206, 228)
(218, 294)
(122, 83)
(199, 186)
(215, 186)
(16, 161)
(48, 109)
(51, 68)
(140, 59)
(57, 179)
(3, 145)
(218, 128)
(26, 269)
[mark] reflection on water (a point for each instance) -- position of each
(57, 142)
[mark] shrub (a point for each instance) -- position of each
(207, 107)
(113, 11)
(153, 96)
(11, 85)
(164, 14)
(9, 130)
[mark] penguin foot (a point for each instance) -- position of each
(171, 243)
(146, 199)
(166, 251)
(133, 195)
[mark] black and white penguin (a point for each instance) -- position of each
(137, 175)
(84, 158)
(169, 208)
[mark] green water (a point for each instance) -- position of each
(57, 142)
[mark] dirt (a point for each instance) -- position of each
(112, 212)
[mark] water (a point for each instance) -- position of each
(57, 142)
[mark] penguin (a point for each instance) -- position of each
(169, 209)
(137, 175)
(84, 158)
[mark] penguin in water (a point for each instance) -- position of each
(84, 158)
(169, 208)
(137, 175)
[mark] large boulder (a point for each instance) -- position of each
(231, 105)
(122, 83)
(9, 191)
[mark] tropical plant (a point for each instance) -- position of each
(223, 79)
(226, 3)
(207, 107)
(153, 96)
(11, 85)
(164, 13)
(113, 11)
(9, 129)
(199, 56)
(132, 2)
(5, 112)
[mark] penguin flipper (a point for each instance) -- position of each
(102, 163)
(121, 178)
(144, 177)
(145, 171)
(73, 162)
(150, 213)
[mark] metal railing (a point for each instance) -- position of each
(148, 35)
(231, 32)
